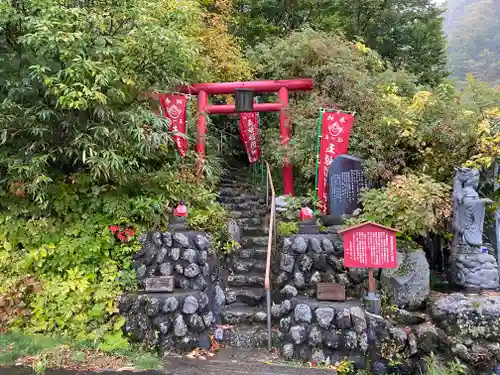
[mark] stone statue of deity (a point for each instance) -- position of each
(472, 266)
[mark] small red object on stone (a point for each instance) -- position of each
(305, 213)
(181, 210)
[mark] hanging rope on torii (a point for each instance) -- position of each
(244, 103)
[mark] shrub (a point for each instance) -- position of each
(77, 252)
(414, 204)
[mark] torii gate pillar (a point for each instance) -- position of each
(281, 87)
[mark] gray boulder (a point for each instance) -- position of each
(298, 279)
(175, 253)
(324, 316)
(181, 240)
(287, 263)
(202, 242)
(192, 270)
(358, 319)
(315, 336)
(298, 334)
(190, 305)
(287, 351)
(289, 291)
(299, 245)
(189, 255)
(409, 284)
(170, 305)
(427, 337)
(303, 313)
(180, 327)
(220, 298)
(475, 317)
(166, 269)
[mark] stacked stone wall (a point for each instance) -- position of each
(309, 259)
(180, 320)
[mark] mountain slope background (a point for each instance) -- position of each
(473, 31)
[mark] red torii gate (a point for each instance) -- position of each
(202, 90)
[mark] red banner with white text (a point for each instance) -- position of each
(174, 107)
(335, 132)
(249, 132)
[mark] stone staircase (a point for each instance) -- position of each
(245, 308)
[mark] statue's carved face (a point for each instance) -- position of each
(469, 177)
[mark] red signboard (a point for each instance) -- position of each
(369, 245)
(174, 107)
(335, 132)
(249, 132)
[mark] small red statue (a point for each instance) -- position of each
(305, 213)
(181, 210)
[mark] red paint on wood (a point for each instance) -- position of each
(285, 133)
(201, 130)
(369, 245)
(372, 287)
(301, 84)
(220, 109)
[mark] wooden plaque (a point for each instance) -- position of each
(160, 284)
(330, 292)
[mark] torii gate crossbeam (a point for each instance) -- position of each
(283, 87)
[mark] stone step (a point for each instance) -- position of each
(248, 265)
(255, 230)
(249, 280)
(238, 313)
(249, 242)
(243, 192)
(245, 206)
(253, 336)
(231, 178)
(253, 253)
(249, 221)
(248, 214)
(247, 296)
(242, 198)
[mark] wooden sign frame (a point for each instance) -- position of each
(165, 284)
(330, 292)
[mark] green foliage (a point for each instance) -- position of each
(415, 205)
(400, 127)
(437, 367)
(81, 269)
(81, 150)
(79, 266)
(408, 34)
(42, 352)
(72, 76)
(478, 50)
(213, 219)
(287, 228)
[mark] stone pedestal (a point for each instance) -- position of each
(309, 227)
(178, 321)
(474, 269)
(178, 224)
(372, 303)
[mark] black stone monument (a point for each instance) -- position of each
(346, 178)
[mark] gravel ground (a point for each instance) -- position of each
(226, 362)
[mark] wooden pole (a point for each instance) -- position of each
(372, 301)
(372, 287)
